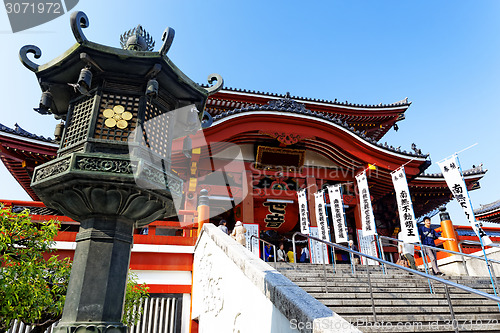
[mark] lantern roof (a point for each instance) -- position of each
(134, 65)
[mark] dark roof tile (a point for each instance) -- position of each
(18, 130)
(491, 207)
(403, 102)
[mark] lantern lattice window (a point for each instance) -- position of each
(155, 129)
(77, 127)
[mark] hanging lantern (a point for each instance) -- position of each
(85, 79)
(152, 88)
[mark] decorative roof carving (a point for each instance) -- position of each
(287, 103)
(286, 139)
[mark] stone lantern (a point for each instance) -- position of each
(120, 110)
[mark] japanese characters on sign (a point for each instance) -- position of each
(406, 215)
(319, 251)
(321, 218)
(276, 216)
(367, 246)
(338, 216)
(252, 229)
(322, 221)
(367, 218)
(303, 212)
(453, 176)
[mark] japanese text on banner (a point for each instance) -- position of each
(453, 176)
(405, 207)
(322, 221)
(337, 206)
(303, 212)
(367, 218)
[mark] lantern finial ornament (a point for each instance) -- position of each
(137, 39)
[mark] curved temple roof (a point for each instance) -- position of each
(289, 105)
(374, 120)
(489, 212)
(403, 102)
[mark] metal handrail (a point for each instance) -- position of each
(466, 241)
(264, 251)
(409, 270)
(444, 250)
(424, 261)
(488, 261)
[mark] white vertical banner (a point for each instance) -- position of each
(367, 246)
(453, 175)
(252, 229)
(338, 216)
(367, 218)
(409, 227)
(316, 248)
(322, 221)
(303, 212)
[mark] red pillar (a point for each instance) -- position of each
(448, 231)
(248, 203)
(311, 189)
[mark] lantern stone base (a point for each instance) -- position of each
(109, 196)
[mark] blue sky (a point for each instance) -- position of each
(444, 56)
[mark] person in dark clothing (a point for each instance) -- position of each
(427, 237)
(268, 253)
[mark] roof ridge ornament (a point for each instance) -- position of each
(217, 86)
(288, 103)
(79, 20)
(137, 39)
(23, 56)
(167, 38)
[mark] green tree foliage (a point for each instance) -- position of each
(136, 293)
(33, 289)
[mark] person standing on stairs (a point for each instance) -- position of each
(239, 233)
(407, 250)
(281, 253)
(427, 236)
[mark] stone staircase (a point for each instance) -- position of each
(402, 300)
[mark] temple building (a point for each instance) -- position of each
(284, 143)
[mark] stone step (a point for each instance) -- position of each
(379, 282)
(314, 287)
(382, 295)
(395, 317)
(374, 277)
(320, 273)
(410, 310)
(418, 302)
(442, 327)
